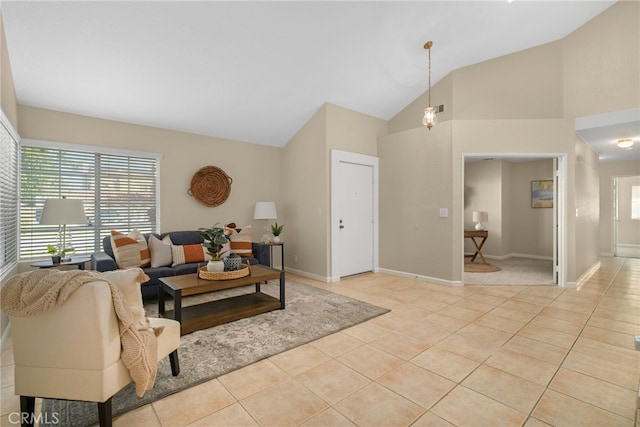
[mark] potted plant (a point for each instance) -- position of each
(276, 230)
(214, 240)
(57, 255)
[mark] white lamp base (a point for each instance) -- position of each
(479, 226)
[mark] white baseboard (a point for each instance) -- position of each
(628, 250)
(606, 254)
(516, 255)
(595, 267)
(434, 280)
(310, 275)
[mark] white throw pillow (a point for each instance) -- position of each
(160, 251)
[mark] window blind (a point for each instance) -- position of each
(8, 196)
(119, 191)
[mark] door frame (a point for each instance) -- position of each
(560, 240)
(338, 156)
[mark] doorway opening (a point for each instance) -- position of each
(626, 216)
(525, 238)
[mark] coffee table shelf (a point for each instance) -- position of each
(217, 312)
(213, 313)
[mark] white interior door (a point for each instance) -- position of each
(354, 216)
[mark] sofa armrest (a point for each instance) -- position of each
(100, 261)
(262, 253)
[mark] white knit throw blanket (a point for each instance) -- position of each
(34, 292)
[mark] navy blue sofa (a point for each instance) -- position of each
(105, 261)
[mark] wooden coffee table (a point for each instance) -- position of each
(208, 314)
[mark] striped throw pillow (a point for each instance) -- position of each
(240, 242)
(187, 254)
(130, 250)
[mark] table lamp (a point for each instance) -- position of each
(63, 212)
(479, 217)
(266, 211)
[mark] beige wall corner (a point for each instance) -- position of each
(305, 196)
(523, 85)
(602, 63)
(8, 100)
(414, 184)
(410, 117)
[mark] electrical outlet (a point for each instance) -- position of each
(637, 342)
(295, 258)
(444, 213)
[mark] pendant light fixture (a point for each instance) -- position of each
(429, 118)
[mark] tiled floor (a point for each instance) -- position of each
(474, 355)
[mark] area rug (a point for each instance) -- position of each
(311, 313)
(472, 267)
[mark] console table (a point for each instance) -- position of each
(473, 235)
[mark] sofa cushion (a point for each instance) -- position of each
(187, 268)
(160, 251)
(241, 242)
(130, 250)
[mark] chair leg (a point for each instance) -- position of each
(175, 363)
(104, 413)
(27, 409)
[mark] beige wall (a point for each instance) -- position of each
(483, 192)
(307, 182)
(531, 229)
(305, 195)
(523, 85)
(607, 173)
(587, 206)
(415, 182)
(602, 63)
(255, 169)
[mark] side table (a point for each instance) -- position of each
(473, 234)
(271, 245)
(79, 262)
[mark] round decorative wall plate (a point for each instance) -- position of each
(210, 186)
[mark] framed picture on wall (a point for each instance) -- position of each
(542, 193)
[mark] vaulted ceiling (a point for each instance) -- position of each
(257, 71)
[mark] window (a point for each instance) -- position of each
(8, 196)
(119, 190)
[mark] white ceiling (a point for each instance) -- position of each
(257, 71)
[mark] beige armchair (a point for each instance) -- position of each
(72, 352)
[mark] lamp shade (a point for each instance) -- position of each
(265, 210)
(63, 212)
(480, 216)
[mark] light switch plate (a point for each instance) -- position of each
(444, 212)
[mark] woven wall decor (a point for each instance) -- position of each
(210, 186)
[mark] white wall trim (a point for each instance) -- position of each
(591, 270)
(309, 275)
(422, 278)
